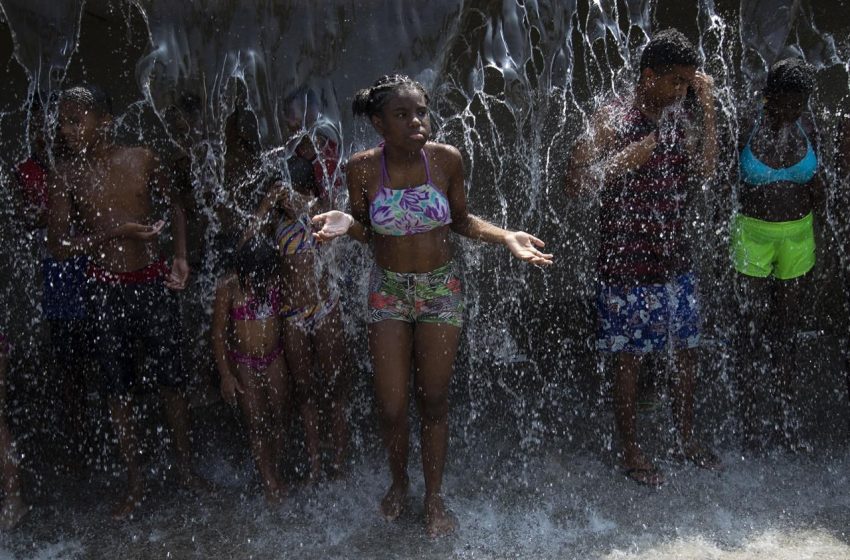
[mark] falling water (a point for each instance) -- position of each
(531, 470)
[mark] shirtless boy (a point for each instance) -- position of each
(106, 191)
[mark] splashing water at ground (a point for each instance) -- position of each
(531, 471)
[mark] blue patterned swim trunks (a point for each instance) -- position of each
(649, 317)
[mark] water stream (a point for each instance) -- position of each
(513, 83)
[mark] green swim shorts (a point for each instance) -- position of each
(784, 249)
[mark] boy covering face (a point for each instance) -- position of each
(640, 159)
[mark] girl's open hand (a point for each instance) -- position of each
(331, 225)
(525, 247)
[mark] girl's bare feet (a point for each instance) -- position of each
(439, 522)
(275, 493)
(339, 467)
(701, 457)
(14, 509)
(393, 503)
(135, 495)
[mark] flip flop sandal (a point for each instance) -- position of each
(645, 476)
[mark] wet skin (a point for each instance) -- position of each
(779, 143)
(106, 191)
(325, 344)
(395, 346)
(263, 396)
(772, 310)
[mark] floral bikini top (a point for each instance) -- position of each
(408, 211)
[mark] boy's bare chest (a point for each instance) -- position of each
(120, 191)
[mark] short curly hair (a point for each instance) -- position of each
(667, 49)
(91, 97)
(790, 75)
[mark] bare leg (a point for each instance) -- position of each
(255, 413)
(683, 394)
(435, 348)
(791, 309)
(333, 358)
(121, 409)
(684, 371)
(638, 467)
(299, 359)
(278, 398)
(391, 347)
(753, 348)
(12, 508)
(176, 408)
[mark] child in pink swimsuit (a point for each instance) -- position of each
(246, 336)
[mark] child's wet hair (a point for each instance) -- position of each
(666, 49)
(790, 75)
(91, 97)
(256, 264)
(370, 101)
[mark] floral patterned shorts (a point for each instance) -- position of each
(428, 297)
(649, 317)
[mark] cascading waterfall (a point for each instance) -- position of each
(513, 83)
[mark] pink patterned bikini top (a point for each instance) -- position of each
(255, 310)
(411, 210)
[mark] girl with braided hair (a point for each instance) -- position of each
(406, 196)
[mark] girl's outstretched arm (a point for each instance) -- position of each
(524, 246)
(335, 223)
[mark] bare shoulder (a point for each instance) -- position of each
(444, 156)
(364, 158)
(364, 163)
(446, 151)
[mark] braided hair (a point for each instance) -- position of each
(370, 101)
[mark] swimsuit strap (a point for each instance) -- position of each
(385, 175)
(756, 126)
(427, 167)
(806, 136)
